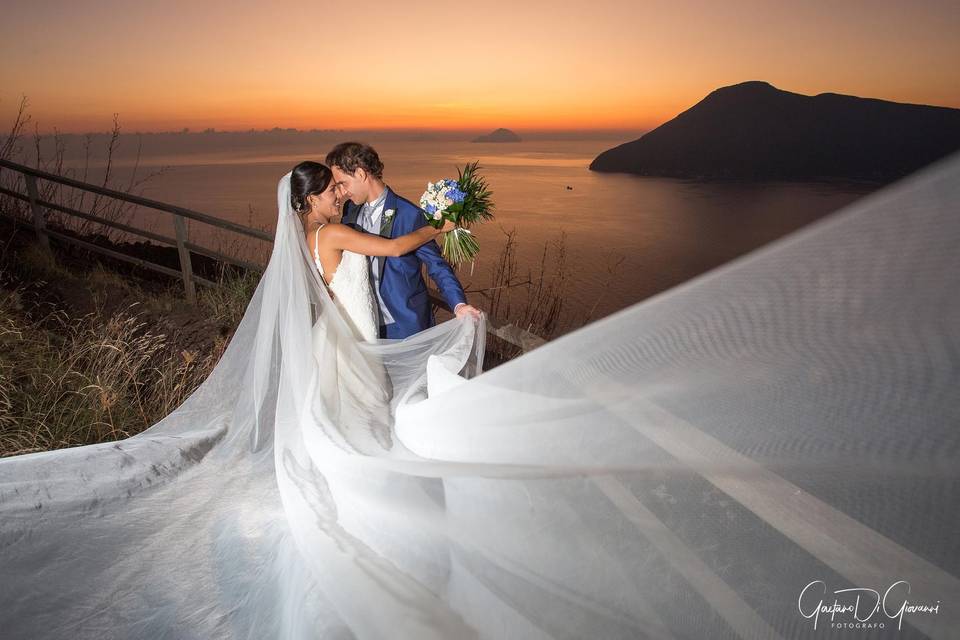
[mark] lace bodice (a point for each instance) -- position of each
(351, 291)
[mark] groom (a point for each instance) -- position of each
(371, 206)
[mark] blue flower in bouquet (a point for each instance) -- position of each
(440, 196)
(455, 194)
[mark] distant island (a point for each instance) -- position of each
(753, 130)
(500, 135)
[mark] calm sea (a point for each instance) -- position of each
(627, 237)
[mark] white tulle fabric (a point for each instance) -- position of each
(680, 469)
(353, 293)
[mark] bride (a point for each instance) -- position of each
(723, 460)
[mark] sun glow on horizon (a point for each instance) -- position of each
(613, 65)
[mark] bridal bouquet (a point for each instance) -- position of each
(463, 201)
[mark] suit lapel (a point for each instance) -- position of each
(386, 223)
(350, 213)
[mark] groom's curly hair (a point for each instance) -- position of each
(351, 156)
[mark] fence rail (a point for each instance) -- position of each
(185, 248)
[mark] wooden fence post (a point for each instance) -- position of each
(39, 224)
(186, 268)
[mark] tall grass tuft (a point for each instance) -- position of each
(226, 303)
(70, 382)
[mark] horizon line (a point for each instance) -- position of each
(391, 130)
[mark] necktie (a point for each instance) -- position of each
(366, 219)
(365, 216)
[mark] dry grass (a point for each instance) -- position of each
(227, 303)
(67, 382)
(69, 379)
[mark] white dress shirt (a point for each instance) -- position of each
(370, 217)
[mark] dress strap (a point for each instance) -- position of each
(316, 245)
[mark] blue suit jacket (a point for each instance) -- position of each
(401, 282)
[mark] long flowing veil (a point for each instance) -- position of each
(727, 459)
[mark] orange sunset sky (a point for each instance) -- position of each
(603, 64)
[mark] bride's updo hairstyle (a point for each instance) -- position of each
(307, 178)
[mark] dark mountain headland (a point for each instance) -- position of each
(753, 130)
(500, 135)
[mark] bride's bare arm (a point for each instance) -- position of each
(340, 236)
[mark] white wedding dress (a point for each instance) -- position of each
(683, 468)
(351, 290)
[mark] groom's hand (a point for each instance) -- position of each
(463, 309)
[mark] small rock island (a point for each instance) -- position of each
(500, 135)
